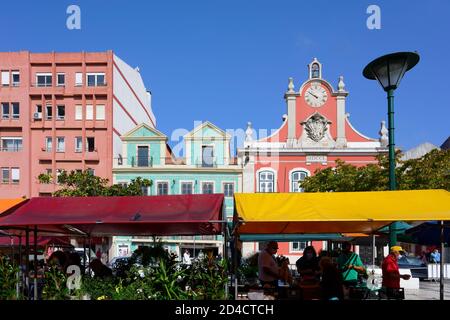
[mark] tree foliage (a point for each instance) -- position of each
(85, 184)
(432, 171)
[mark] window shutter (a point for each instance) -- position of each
(78, 79)
(5, 78)
(78, 112)
(100, 114)
(15, 174)
(89, 112)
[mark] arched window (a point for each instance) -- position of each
(315, 71)
(266, 181)
(296, 178)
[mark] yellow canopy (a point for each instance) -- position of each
(336, 212)
(6, 204)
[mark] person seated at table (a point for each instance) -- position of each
(331, 280)
(308, 265)
(268, 270)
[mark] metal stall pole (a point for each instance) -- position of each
(27, 260)
(225, 251)
(374, 249)
(441, 280)
(35, 264)
(20, 268)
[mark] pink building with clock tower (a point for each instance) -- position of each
(315, 133)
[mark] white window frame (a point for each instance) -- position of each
(78, 79)
(11, 110)
(47, 117)
(291, 247)
(223, 187)
(98, 108)
(275, 177)
(291, 172)
(191, 182)
(46, 144)
(13, 73)
(44, 74)
(12, 138)
(89, 112)
(212, 145)
(57, 112)
(57, 144)
(162, 181)
(78, 112)
(96, 74)
(204, 182)
(58, 84)
(15, 173)
(8, 116)
(5, 77)
(81, 148)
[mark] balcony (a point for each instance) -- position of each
(91, 156)
(210, 162)
(133, 162)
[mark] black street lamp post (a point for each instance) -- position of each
(389, 71)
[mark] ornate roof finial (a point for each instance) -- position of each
(291, 85)
(341, 84)
(384, 140)
(249, 132)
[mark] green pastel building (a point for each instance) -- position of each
(206, 167)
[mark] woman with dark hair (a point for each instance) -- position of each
(308, 264)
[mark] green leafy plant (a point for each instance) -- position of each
(55, 287)
(8, 279)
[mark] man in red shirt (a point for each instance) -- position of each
(391, 273)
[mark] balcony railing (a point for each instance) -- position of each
(206, 163)
(11, 149)
(134, 162)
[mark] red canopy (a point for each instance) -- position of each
(42, 241)
(106, 216)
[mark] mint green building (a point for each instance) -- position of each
(207, 167)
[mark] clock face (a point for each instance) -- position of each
(316, 95)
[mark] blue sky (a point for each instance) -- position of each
(228, 61)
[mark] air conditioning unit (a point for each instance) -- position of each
(37, 115)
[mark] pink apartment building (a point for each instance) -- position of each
(64, 111)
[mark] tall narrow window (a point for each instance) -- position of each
(78, 112)
(48, 144)
(15, 78)
(90, 144)
(143, 156)
(315, 73)
(15, 175)
(187, 188)
(207, 187)
(266, 181)
(5, 78)
(15, 110)
(162, 188)
(207, 156)
(5, 175)
(296, 178)
(78, 144)
(89, 112)
(228, 189)
(48, 112)
(100, 112)
(60, 144)
(60, 112)
(78, 79)
(5, 110)
(60, 79)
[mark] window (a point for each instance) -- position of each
(90, 144)
(15, 175)
(58, 174)
(5, 78)
(315, 71)
(60, 79)
(11, 144)
(298, 246)
(143, 156)
(78, 144)
(78, 79)
(48, 112)
(15, 110)
(90, 171)
(228, 189)
(5, 175)
(78, 112)
(60, 144)
(95, 79)
(89, 112)
(49, 171)
(5, 110)
(60, 112)
(207, 156)
(266, 181)
(48, 144)
(100, 112)
(186, 188)
(207, 187)
(296, 178)
(162, 188)
(144, 190)
(15, 78)
(43, 80)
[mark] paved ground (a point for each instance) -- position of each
(429, 290)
